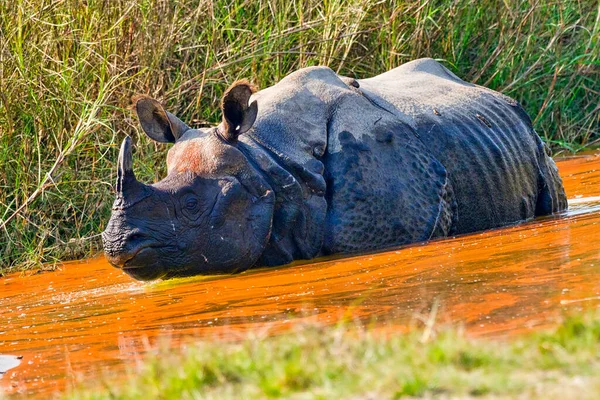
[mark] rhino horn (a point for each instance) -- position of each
(129, 190)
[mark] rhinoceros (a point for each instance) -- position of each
(323, 164)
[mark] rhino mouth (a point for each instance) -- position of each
(131, 262)
(144, 257)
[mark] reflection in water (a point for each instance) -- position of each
(89, 316)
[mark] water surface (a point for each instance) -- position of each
(88, 317)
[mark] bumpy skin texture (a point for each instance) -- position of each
(496, 162)
(327, 165)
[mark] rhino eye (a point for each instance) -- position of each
(191, 207)
(191, 203)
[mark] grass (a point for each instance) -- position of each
(334, 363)
(68, 69)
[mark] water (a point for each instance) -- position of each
(88, 317)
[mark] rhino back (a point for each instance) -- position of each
(496, 162)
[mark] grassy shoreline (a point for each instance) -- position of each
(327, 363)
(69, 68)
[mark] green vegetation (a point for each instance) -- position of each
(335, 363)
(68, 69)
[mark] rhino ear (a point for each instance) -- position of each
(238, 115)
(158, 123)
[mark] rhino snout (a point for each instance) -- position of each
(121, 247)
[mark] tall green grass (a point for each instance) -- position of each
(68, 69)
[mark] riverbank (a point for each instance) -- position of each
(337, 363)
(68, 70)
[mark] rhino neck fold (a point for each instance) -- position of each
(285, 145)
(300, 206)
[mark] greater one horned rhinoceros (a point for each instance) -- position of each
(321, 164)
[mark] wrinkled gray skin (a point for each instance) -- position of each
(321, 164)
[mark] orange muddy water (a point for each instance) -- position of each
(88, 317)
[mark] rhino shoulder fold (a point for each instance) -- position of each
(447, 212)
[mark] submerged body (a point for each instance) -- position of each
(321, 164)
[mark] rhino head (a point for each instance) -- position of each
(213, 211)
